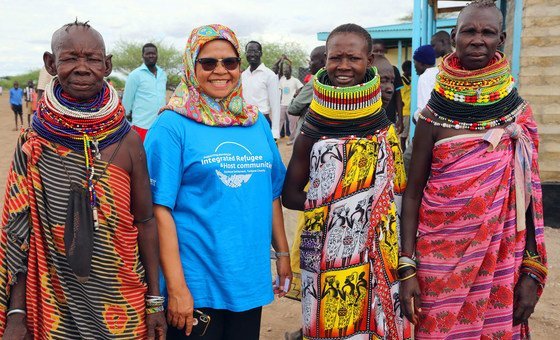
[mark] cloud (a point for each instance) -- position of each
(26, 34)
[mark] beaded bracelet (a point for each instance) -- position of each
(534, 264)
(535, 269)
(154, 300)
(282, 254)
(408, 277)
(531, 255)
(153, 310)
(401, 269)
(405, 266)
(534, 277)
(406, 259)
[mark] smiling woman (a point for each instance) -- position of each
(217, 68)
(349, 154)
(216, 179)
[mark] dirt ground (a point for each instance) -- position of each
(284, 314)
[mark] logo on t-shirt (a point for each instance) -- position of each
(235, 163)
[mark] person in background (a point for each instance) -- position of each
(278, 66)
(260, 87)
(405, 95)
(349, 154)
(144, 91)
(424, 63)
(299, 105)
(216, 176)
(288, 87)
(16, 96)
(473, 258)
(30, 100)
(44, 78)
(424, 59)
(441, 42)
(394, 108)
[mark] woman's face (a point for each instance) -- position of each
(348, 59)
(219, 82)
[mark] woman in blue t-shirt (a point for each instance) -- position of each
(216, 177)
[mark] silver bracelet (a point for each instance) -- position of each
(282, 254)
(407, 260)
(16, 311)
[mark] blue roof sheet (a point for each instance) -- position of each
(397, 31)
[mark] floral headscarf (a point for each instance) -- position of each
(189, 101)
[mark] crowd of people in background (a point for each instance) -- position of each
(162, 227)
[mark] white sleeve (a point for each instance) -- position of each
(274, 102)
(426, 83)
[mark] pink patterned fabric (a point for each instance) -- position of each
(470, 241)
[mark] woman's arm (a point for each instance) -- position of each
(148, 244)
(280, 245)
(180, 301)
(526, 290)
(297, 176)
(419, 172)
(16, 324)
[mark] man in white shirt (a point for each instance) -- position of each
(44, 79)
(424, 62)
(288, 88)
(260, 87)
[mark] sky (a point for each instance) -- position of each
(26, 27)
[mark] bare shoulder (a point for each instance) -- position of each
(134, 146)
(130, 151)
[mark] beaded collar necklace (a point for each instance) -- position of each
(474, 99)
(337, 112)
(477, 87)
(82, 126)
(345, 103)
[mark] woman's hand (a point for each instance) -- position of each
(16, 328)
(180, 309)
(284, 273)
(410, 298)
(525, 298)
(157, 326)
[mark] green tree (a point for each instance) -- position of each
(127, 55)
(273, 51)
(8, 81)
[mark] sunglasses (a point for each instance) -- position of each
(209, 64)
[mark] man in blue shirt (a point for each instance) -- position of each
(16, 95)
(144, 91)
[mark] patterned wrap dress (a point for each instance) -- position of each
(110, 305)
(349, 244)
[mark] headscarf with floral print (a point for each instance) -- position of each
(190, 101)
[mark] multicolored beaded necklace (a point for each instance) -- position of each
(345, 103)
(345, 111)
(83, 126)
(478, 87)
(474, 99)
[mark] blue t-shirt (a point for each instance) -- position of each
(16, 95)
(219, 184)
